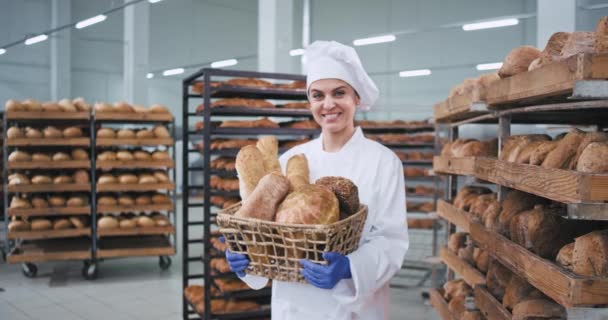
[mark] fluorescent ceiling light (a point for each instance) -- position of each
(374, 40)
(296, 52)
(149, 75)
(489, 66)
(91, 21)
(36, 39)
(2, 51)
(415, 73)
(172, 72)
(224, 63)
(154, 1)
(490, 24)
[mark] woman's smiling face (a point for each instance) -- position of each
(333, 103)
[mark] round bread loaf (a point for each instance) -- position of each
(39, 224)
(79, 222)
(19, 156)
(128, 224)
(14, 132)
(125, 134)
(77, 201)
(127, 178)
(81, 176)
(67, 105)
(106, 133)
(107, 222)
(123, 107)
(52, 132)
(18, 225)
(80, 154)
(41, 157)
(126, 201)
(57, 201)
(51, 107)
(61, 156)
(39, 202)
(41, 179)
(18, 178)
(19, 203)
(61, 224)
(63, 179)
(160, 198)
(147, 179)
(107, 156)
(161, 155)
(72, 132)
(12, 105)
(81, 105)
(161, 176)
(142, 155)
(346, 192)
(160, 219)
(33, 133)
(161, 132)
(143, 200)
(144, 134)
(124, 155)
(158, 108)
(103, 108)
(32, 105)
(106, 201)
(145, 221)
(107, 179)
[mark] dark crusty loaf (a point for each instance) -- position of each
(518, 290)
(515, 202)
(539, 230)
(346, 192)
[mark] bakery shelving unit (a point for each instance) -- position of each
(424, 241)
(199, 212)
(572, 92)
(140, 241)
(30, 247)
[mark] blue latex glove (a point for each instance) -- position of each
(326, 277)
(237, 262)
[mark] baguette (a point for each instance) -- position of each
(263, 202)
(269, 147)
(250, 169)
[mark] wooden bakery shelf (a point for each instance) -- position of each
(133, 117)
(456, 216)
(439, 304)
(45, 115)
(555, 80)
(117, 232)
(51, 250)
(563, 286)
(134, 187)
(61, 142)
(36, 212)
(448, 165)
(117, 164)
(491, 308)
(116, 247)
(457, 108)
(138, 208)
(559, 185)
(109, 142)
(228, 91)
(49, 234)
(267, 112)
(85, 187)
(469, 273)
(69, 164)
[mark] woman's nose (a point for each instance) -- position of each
(329, 102)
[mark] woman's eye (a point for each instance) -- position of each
(316, 95)
(339, 93)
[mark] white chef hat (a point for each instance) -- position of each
(333, 60)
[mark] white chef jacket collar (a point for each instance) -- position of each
(356, 137)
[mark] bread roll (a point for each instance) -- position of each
(81, 105)
(72, 132)
(125, 134)
(594, 158)
(106, 133)
(107, 201)
(535, 309)
(57, 201)
(31, 105)
(19, 203)
(40, 224)
(145, 221)
(160, 198)
(142, 155)
(107, 156)
(456, 241)
(80, 154)
(41, 179)
(61, 156)
(41, 157)
(18, 179)
(52, 132)
(107, 179)
(50, 107)
(124, 156)
(14, 132)
(18, 225)
(311, 204)
(161, 155)
(126, 201)
(346, 192)
(39, 202)
(61, 224)
(564, 256)
(146, 179)
(250, 169)
(77, 201)
(128, 223)
(13, 106)
(107, 222)
(19, 156)
(61, 179)
(158, 108)
(144, 134)
(33, 133)
(518, 61)
(143, 200)
(79, 222)
(103, 108)
(161, 132)
(123, 107)
(127, 178)
(564, 152)
(269, 147)
(161, 176)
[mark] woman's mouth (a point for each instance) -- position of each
(331, 116)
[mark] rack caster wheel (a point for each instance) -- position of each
(164, 262)
(89, 270)
(29, 270)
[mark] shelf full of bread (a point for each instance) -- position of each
(224, 111)
(47, 181)
(545, 225)
(134, 181)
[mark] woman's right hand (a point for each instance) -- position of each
(238, 262)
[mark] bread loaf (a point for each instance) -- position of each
(539, 154)
(33, 105)
(66, 105)
(250, 169)
(107, 179)
(163, 177)
(459, 200)
(455, 288)
(19, 156)
(527, 151)
(139, 108)
(564, 256)
(142, 155)
(41, 157)
(456, 241)
(297, 172)
(39, 202)
(40, 224)
(145, 222)
(269, 148)
(57, 201)
(578, 42)
(107, 156)
(564, 152)
(514, 203)
(124, 156)
(107, 222)
(81, 105)
(161, 132)
(146, 179)
(346, 192)
(535, 64)
(61, 224)
(158, 108)
(13, 106)
(17, 179)
(61, 156)
(81, 176)
(14, 132)
(514, 145)
(466, 254)
(518, 61)
(41, 179)
(456, 306)
(79, 222)
(128, 178)
(46, 107)
(590, 254)
(72, 132)
(62, 179)
(144, 134)
(161, 155)
(594, 158)
(497, 279)
(311, 204)
(126, 201)
(106, 133)
(516, 291)
(590, 137)
(19, 203)
(160, 198)
(107, 201)
(123, 107)
(539, 230)
(263, 202)
(491, 216)
(143, 200)
(482, 259)
(161, 220)
(127, 223)
(18, 225)
(554, 47)
(125, 134)
(480, 205)
(77, 201)
(52, 132)
(33, 133)
(476, 148)
(103, 108)
(535, 309)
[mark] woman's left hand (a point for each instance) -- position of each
(326, 277)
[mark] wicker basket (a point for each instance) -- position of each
(275, 249)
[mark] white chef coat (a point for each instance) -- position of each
(378, 174)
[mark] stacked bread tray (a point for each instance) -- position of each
(225, 110)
